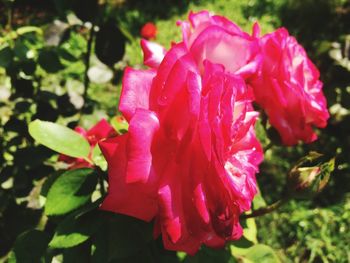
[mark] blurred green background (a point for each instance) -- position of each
(54, 67)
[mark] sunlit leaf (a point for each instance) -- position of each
(59, 138)
(70, 191)
(258, 253)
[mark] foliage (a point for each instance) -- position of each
(54, 67)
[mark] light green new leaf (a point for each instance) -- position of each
(59, 138)
(250, 230)
(70, 191)
(98, 159)
(258, 253)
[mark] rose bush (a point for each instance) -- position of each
(188, 163)
(190, 156)
(288, 88)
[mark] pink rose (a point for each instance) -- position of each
(100, 131)
(190, 155)
(289, 90)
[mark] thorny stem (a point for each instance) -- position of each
(267, 209)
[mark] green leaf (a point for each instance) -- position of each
(6, 57)
(75, 229)
(98, 159)
(89, 12)
(120, 124)
(29, 29)
(50, 61)
(59, 138)
(110, 43)
(70, 191)
(250, 230)
(80, 253)
(30, 246)
(208, 255)
(258, 200)
(258, 253)
(49, 182)
(127, 236)
(20, 49)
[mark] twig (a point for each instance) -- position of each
(267, 209)
(87, 62)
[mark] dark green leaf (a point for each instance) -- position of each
(110, 44)
(75, 229)
(28, 66)
(23, 106)
(20, 50)
(16, 125)
(30, 246)
(6, 56)
(127, 236)
(31, 156)
(86, 10)
(59, 138)
(50, 61)
(70, 191)
(66, 55)
(23, 87)
(208, 255)
(80, 253)
(46, 112)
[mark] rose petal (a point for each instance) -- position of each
(130, 199)
(135, 91)
(142, 128)
(153, 53)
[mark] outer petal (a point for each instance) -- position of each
(143, 126)
(153, 53)
(135, 91)
(169, 61)
(130, 199)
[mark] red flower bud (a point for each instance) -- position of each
(149, 31)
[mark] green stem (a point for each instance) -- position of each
(87, 62)
(267, 147)
(267, 209)
(101, 178)
(9, 16)
(102, 186)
